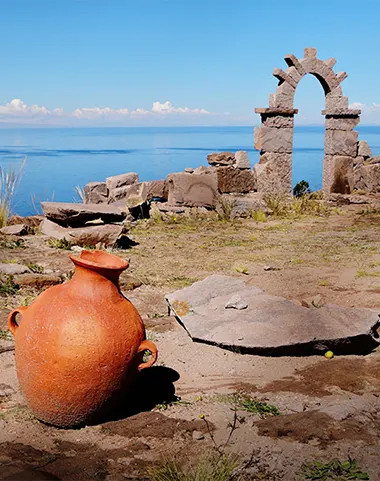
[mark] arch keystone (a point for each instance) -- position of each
(310, 52)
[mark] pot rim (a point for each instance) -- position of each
(96, 260)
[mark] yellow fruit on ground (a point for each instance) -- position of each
(329, 354)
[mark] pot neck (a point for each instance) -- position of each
(100, 269)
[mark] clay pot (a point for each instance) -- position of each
(79, 342)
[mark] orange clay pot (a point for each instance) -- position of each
(79, 342)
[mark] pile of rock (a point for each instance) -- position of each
(366, 169)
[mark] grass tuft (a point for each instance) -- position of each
(259, 216)
(9, 180)
(215, 468)
(60, 244)
(246, 402)
(8, 287)
(334, 470)
(36, 268)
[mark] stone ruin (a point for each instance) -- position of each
(347, 164)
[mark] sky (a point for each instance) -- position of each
(177, 62)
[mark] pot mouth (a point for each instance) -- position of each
(99, 260)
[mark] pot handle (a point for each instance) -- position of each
(148, 346)
(12, 324)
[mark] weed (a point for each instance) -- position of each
(363, 273)
(277, 202)
(9, 180)
(156, 315)
(225, 207)
(36, 268)
(246, 402)
(259, 216)
(79, 194)
(151, 336)
(181, 281)
(175, 402)
(334, 470)
(60, 243)
(11, 244)
(7, 286)
(241, 269)
(211, 468)
(323, 283)
(5, 335)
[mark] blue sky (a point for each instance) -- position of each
(177, 62)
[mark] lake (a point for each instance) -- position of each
(58, 159)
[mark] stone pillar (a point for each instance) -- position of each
(274, 139)
(341, 149)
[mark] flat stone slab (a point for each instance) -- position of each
(270, 325)
(74, 215)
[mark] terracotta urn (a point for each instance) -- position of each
(78, 343)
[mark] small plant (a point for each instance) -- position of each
(225, 208)
(11, 244)
(60, 243)
(323, 283)
(68, 276)
(277, 202)
(181, 308)
(246, 402)
(181, 281)
(9, 180)
(212, 468)
(156, 315)
(175, 402)
(301, 188)
(36, 268)
(5, 335)
(7, 286)
(79, 194)
(334, 470)
(364, 273)
(259, 216)
(241, 269)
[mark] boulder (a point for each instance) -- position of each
(364, 149)
(235, 180)
(37, 281)
(343, 175)
(17, 229)
(273, 173)
(241, 160)
(95, 193)
(157, 190)
(221, 158)
(133, 195)
(244, 205)
(121, 180)
(193, 190)
(270, 325)
(30, 221)
(374, 160)
(13, 269)
(51, 229)
(367, 178)
(73, 215)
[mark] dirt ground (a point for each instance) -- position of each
(184, 408)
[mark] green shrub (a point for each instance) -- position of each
(301, 188)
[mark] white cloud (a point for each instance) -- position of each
(370, 113)
(17, 109)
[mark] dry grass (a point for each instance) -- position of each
(9, 180)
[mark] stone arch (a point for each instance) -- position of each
(274, 138)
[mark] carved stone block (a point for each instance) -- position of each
(276, 140)
(341, 142)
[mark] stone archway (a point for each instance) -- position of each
(274, 138)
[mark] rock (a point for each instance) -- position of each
(241, 160)
(74, 215)
(30, 221)
(198, 435)
(95, 193)
(273, 140)
(157, 190)
(341, 143)
(341, 123)
(192, 190)
(17, 229)
(203, 169)
(367, 178)
(38, 281)
(236, 302)
(273, 173)
(270, 325)
(317, 301)
(374, 160)
(231, 180)
(167, 208)
(121, 180)
(221, 158)
(189, 170)
(343, 175)
(51, 229)
(13, 269)
(129, 283)
(271, 268)
(108, 235)
(363, 149)
(244, 205)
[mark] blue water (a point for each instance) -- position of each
(60, 159)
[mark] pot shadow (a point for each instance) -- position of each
(151, 387)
